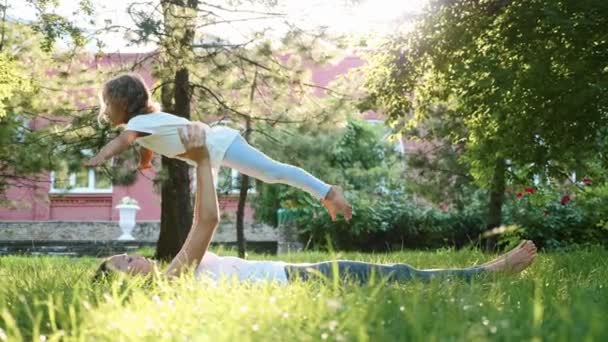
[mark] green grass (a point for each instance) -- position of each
(562, 297)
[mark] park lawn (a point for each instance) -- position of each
(562, 297)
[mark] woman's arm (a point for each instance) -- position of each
(206, 215)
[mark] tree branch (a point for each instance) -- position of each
(4, 8)
(240, 11)
(239, 113)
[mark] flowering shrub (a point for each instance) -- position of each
(394, 221)
(554, 219)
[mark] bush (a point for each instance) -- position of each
(557, 220)
(394, 221)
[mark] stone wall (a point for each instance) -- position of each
(287, 240)
(103, 248)
(106, 230)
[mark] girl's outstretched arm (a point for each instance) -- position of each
(115, 147)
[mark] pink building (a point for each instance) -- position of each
(91, 197)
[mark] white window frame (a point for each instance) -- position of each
(398, 145)
(573, 176)
(90, 189)
(537, 181)
(234, 183)
(21, 130)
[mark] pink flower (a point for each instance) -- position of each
(587, 180)
(519, 195)
(565, 199)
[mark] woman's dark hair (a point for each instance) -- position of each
(106, 272)
(103, 271)
(131, 91)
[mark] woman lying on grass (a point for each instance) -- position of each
(206, 218)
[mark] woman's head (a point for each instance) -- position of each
(130, 264)
(124, 97)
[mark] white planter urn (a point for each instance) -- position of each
(126, 213)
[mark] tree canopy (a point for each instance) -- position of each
(524, 81)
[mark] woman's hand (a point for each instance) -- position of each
(193, 137)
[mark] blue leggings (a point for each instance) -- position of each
(362, 272)
(248, 160)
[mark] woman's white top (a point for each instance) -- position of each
(164, 139)
(217, 267)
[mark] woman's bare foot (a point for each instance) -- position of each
(502, 256)
(335, 203)
(516, 261)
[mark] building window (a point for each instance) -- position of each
(85, 180)
(397, 145)
(229, 182)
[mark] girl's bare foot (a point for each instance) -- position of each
(335, 203)
(516, 261)
(521, 244)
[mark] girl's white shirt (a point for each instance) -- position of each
(164, 139)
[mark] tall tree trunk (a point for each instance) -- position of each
(176, 206)
(176, 209)
(3, 27)
(497, 194)
(240, 212)
(244, 188)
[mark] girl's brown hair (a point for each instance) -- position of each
(131, 91)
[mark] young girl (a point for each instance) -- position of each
(126, 100)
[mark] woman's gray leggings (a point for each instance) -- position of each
(362, 272)
(248, 160)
